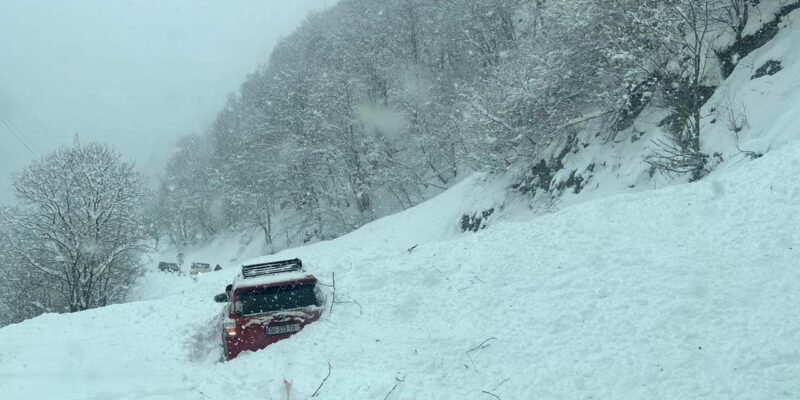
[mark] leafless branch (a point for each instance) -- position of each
(360, 308)
(483, 345)
(316, 392)
(491, 394)
(333, 294)
(397, 382)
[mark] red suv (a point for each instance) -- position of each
(266, 303)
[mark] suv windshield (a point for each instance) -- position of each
(261, 300)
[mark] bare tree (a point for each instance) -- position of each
(670, 43)
(734, 14)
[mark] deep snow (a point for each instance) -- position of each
(689, 291)
(684, 292)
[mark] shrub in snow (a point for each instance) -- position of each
(476, 221)
(770, 67)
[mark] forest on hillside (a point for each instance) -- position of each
(371, 107)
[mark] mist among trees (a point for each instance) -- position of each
(372, 107)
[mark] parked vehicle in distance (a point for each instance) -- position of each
(199, 269)
(267, 302)
(168, 267)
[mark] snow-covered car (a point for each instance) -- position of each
(199, 269)
(168, 267)
(267, 302)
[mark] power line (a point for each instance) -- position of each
(23, 135)
(13, 123)
(20, 134)
(13, 133)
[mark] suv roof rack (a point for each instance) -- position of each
(270, 268)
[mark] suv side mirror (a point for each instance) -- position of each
(221, 298)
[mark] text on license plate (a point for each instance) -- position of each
(277, 330)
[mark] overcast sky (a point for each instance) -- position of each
(132, 73)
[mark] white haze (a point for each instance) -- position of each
(135, 74)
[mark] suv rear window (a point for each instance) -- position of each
(261, 300)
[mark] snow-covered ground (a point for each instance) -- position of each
(689, 291)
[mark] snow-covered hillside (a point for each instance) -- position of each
(688, 291)
(746, 116)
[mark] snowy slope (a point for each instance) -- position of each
(685, 292)
(756, 105)
(689, 291)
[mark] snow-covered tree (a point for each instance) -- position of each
(190, 206)
(76, 233)
(669, 49)
(371, 107)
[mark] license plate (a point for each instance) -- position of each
(277, 330)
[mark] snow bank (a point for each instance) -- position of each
(767, 108)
